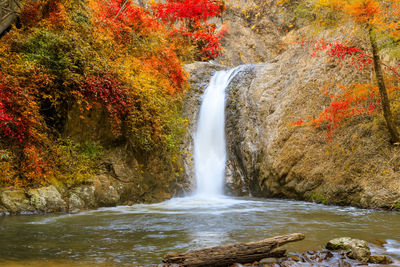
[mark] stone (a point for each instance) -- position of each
(294, 257)
(16, 201)
(105, 193)
(355, 248)
(269, 261)
(86, 194)
(75, 203)
(4, 211)
(47, 199)
(380, 259)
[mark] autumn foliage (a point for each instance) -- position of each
(377, 23)
(108, 55)
(192, 17)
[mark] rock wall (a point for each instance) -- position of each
(267, 155)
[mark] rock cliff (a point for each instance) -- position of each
(269, 157)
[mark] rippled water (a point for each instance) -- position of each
(142, 234)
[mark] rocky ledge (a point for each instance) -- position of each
(50, 199)
(122, 179)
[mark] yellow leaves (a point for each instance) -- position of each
(281, 2)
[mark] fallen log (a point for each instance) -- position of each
(237, 253)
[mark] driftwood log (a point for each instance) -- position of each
(237, 253)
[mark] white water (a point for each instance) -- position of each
(209, 141)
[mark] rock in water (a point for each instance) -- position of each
(355, 248)
(380, 259)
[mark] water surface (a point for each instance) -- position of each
(142, 234)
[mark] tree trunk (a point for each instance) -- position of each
(230, 254)
(394, 134)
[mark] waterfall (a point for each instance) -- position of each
(209, 141)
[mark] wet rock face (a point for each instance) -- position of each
(241, 135)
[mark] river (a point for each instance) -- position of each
(142, 234)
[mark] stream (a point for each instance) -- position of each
(142, 234)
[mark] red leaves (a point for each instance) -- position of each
(13, 125)
(31, 13)
(188, 10)
(124, 19)
(343, 51)
(298, 123)
(355, 100)
(192, 16)
(206, 39)
(107, 90)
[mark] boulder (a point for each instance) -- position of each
(85, 194)
(355, 248)
(47, 199)
(16, 201)
(380, 259)
(105, 192)
(75, 203)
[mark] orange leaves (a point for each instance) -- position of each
(123, 19)
(364, 11)
(377, 15)
(354, 100)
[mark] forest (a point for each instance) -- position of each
(115, 56)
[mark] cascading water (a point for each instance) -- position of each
(209, 141)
